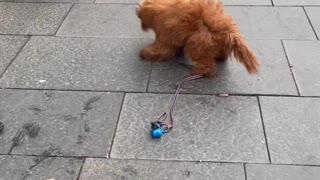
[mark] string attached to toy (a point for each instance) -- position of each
(159, 127)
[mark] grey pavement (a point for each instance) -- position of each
(76, 101)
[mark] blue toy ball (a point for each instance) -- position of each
(156, 133)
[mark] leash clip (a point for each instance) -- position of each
(159, 128)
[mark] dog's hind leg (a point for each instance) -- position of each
(203, 52)
(223, 57)
(158, 52)
(205, 68)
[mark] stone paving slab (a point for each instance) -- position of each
(281, 172)
(108, 169)
(9, 47)
(225, 2)
(31, 18)
(79, 64)
(58, 123)
(304, 57)
(247, 2)
(314, 14)
(272, 22)
(58, 1)
(292, 128)
(274, 78)
(40, 168)
(296, 2)
(119, 1)
(108, 20)
(206, 128)
(118, 20)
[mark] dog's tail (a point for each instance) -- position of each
(243, 53)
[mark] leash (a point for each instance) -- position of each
(159, 127)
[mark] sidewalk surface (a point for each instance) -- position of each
(77, 101)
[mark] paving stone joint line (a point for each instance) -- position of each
(290, 67)
(17, 54)
(117, 124)
(264, 129)
(63, 19)
(314, 31)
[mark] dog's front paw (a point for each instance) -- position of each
(148, 54)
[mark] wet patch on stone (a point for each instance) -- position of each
(29, 129)
(1, 127)
(89, 103)
(70, 118)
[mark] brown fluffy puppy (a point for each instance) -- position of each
(200, 28)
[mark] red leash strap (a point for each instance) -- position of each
(163, 116)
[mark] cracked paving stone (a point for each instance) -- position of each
(79, 64)
(31, 18)
(292, 129)
(207, 128)
(274, 77)
(281, 172)
(40, 168)
(103, 20)
(287, 22)
(58, 123)
(304, 58)
(144, 170)
(9, 47)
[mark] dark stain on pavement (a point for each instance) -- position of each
(88, 104)
(49, 96)
(81, 138)
(86, 127)
(1, 127)
(35, 108)
(39, 159)
(32, 129)
(29, 129)
(131, 170)
(187, 173)
(46, 154)
(70, 118)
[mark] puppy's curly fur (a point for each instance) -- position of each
(200, 28)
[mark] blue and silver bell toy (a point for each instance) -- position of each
(156, 133)
(158, 129)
